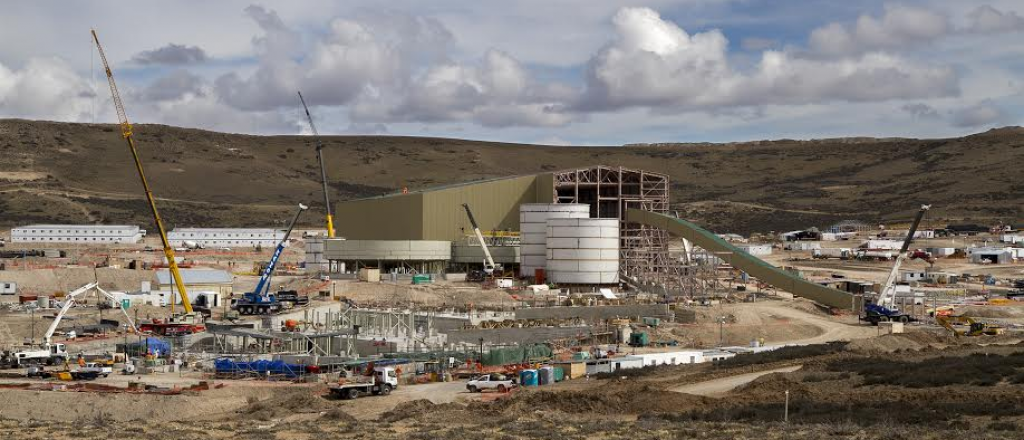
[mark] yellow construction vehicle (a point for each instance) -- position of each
(178, 324)
(974, 328)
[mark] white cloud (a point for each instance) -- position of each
(986, 19)
(45, 88)
(171, 54)
(654, 63)
(981, 114)
(899, 26)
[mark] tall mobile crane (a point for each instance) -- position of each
(323, 169)
(186, 322)
(884, 308)
(489, 265)
(260, 301)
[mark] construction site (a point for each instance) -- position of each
(570, 303)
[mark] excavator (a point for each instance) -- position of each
(974, 328)
(178, 324)
(884, 307)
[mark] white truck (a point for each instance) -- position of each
(382, 382)
(99, 369)
(48, 354)
(494, 381)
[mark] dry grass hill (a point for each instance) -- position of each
(63, 172)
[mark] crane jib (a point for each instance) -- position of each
(268, 270)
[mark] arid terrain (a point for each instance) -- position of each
(895, 386)
(82, 173)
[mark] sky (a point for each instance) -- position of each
(558, 72)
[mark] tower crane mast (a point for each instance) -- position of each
(126, 133)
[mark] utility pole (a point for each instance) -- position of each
(785, 416)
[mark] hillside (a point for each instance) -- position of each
(63, 172)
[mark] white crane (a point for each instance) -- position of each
(51, 352)
(489, 265)
(888, 295)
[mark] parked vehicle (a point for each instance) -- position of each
(382, 382)
(99, 369)
(495, 381)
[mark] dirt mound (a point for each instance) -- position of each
(914, 341)
(415, 409)
(1006, 312)
(773, 385)
(285, 402)
(617, 400)
(338, 415)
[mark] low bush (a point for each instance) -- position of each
(784, 354)
(977, 369)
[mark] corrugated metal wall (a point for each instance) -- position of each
(437, 214)
(384, 218)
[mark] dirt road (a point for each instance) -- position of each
(719, 387)
(833, 329)
(371, 407)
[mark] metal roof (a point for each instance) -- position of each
(121, 227)
(196, 276)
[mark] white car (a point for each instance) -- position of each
(498, 382)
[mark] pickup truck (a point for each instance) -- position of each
(383, 381)
(495, 381)
(99, 369)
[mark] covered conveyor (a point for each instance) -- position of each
(741, 260)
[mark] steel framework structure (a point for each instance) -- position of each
(644, 256)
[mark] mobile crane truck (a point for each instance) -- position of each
(260, 301)
(884, 308)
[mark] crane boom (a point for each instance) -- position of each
(888, 295)
(260, 293)
(489, 265)
(323, 169)
(69, 302)
(126, 132)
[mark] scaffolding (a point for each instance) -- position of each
(645, 261)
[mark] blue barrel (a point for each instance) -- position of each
(528, 378)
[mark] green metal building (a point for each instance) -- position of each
(437, 213)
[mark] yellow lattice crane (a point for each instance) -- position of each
(126, 132)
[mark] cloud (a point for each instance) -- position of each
(898, 27)
(986, 20)
(389, 68)
(984, 113)
(172, 54)
(654, 63)
(45, 88)
(920, 111)
(173, 86)
(495, 92)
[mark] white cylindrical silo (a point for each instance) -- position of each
(533, 228)
(583, 251)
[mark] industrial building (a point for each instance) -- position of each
(225, 237)
(390, 256)
(436, 215)
(91, 234)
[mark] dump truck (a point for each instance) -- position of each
(381, 382)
